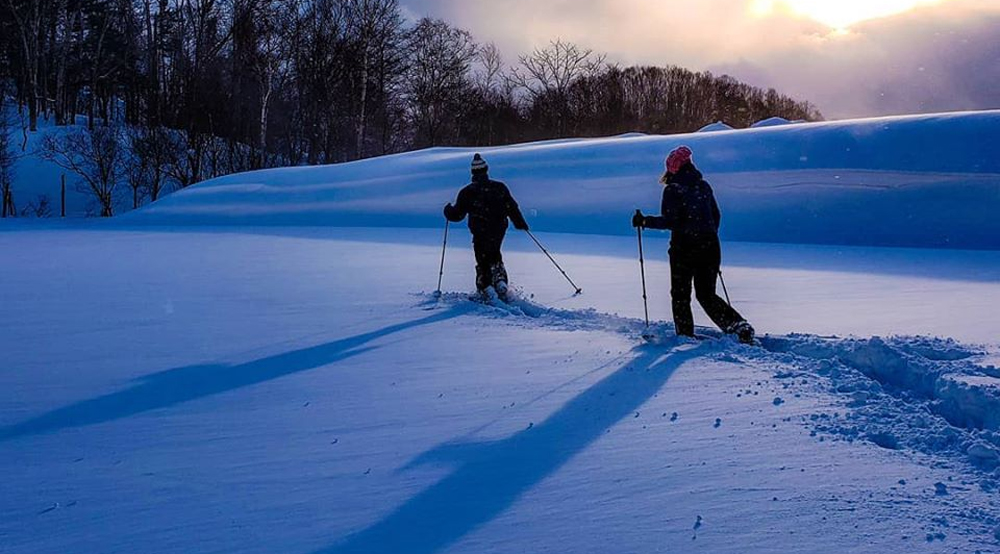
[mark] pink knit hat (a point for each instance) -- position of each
(678, 158)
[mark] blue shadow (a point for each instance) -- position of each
(175, 386)
(489, 477)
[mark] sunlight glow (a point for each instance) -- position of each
(838, 14)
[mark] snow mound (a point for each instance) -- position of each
(715, 127)
(771, 122)
(632, 135)
(865, 182)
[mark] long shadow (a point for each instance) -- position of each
(174, 386)
(490, 476)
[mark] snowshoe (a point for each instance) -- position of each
(743, 331)
(480, 296)
(502, 291)
(488, 296)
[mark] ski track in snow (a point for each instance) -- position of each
(934, 399)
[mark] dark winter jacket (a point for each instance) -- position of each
(688, 209)
(488, 204)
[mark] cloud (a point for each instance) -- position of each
(929, 60)
(935, 58)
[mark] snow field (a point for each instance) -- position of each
(269, 390)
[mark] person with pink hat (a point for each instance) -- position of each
(690, 212)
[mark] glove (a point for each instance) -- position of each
(522, 227)
(638, 220)
(447, 209)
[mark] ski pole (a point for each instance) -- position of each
(444, 247)
(642, 271)
(578, 289)
(723, 281)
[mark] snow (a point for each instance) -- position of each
(236, 389)
(180, 381)
(715, 127)
(34, 177)
(770, 122)
(916, 181)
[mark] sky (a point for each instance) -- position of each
(852, 58)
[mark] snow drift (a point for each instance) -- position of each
(921, 181)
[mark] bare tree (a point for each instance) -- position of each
(29, 16)
(555, 67)
(375, 25)
(441, 57)
(494, 93)
(40, 207)
(260, 34)
(152, 154)
(8, 157)
(548, 73)
(95, 156)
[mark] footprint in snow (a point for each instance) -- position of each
(718, 423)
(674, 416)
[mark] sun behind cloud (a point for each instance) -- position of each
(838, 14)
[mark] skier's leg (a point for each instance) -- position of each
(680, 297)
(721, 313)
(498, 272)
(483, 261)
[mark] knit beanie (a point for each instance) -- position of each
(479, 164)
(678, 159)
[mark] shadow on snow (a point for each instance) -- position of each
(490, 476)
(175, 386)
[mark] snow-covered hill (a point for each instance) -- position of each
(293, 387)
(920, 181)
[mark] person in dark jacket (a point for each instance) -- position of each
(489, 205)
(690, 212)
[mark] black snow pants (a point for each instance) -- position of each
(697, 260)
(489, 261)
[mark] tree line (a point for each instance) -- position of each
(167, 93)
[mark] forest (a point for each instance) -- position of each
(157, 95)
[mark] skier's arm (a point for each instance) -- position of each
(668, 211)
(459, 210)
(514, 213)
